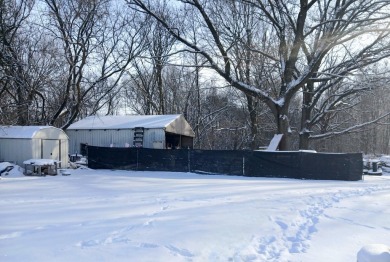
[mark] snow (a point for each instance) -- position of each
(275, 141)
(106, 215)
(15, 171)
(385, 160)
(124, 122)
(41, 162)
(280, 102)
(374, 253)
(20, 131)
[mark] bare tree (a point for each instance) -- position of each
(139, 90)
(305, 37)
(99, 43)
(161, 43)
(16, 90)
(359, 123)
(223, 124)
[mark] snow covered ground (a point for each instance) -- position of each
(104, 215)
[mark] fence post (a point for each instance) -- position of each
(189, 160)
(137, 158)
(243, 165)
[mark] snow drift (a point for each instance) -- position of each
(161, 216)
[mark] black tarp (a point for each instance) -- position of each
(273, 164)
(299, 165)
(217, 161)
(163, 160)
(112, 158)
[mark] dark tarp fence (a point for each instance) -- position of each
(299, 165)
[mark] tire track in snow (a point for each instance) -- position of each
(294, 236)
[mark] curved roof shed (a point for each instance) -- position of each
(20, 143)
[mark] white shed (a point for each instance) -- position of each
(20, 143)
(148, 131)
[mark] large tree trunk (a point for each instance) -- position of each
(22, 111)
(304, 134)
(283, 127)
(160, 87)
(304, 140)
(253, 122)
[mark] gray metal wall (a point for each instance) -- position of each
(20, 149)
(118, 138)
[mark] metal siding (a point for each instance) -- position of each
(51, 149)
(6, 152)
(122, 137)
(36, 145)
(64, 153)
(118, 138)
(21, 149)
(74, 140)
(152, 135)
(60, 152)
(78, 137)
(50, 133)
(105, 138)
(16, 150)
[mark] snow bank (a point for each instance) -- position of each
(385, 160)
(104, 215)
(374, 253)
(9, 169)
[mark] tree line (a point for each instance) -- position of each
(240, 71)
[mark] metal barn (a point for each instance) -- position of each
(20, 143)
(148, 131)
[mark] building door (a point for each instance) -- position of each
(51, 149)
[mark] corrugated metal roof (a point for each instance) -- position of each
(20, 131)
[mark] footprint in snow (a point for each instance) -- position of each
(11, 235)
(178, 251)
(148, 245)
(89, 243)
(282, 225)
